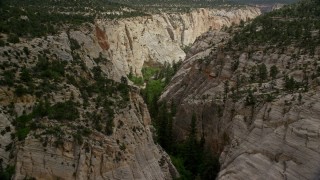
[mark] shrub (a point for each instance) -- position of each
(250, 99)
(20, 91)
(21, 124)
(26, 51)
(13, 38)
(7, 173)
(64, 111)
(273, 71)
(136, 80)
(8, 78)
(74, 45)
(2, 43)
(25, 75)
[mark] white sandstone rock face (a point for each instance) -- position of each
(116, 46)
(127, 44)
(281, 144)
(158, 38)
(126, 154)
(274, 139)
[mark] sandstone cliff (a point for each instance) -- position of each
(129, 153)
(64, 117)
(108, 133)
(159, 38)
(269, 134)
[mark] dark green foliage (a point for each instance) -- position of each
(263, 72)
(45, 86)
(152, 92)
(64, 111)
(135, 79)
(97, 74)
(22, 126)
(290, 84)
(74, 45)
(189, 156)
(42, 109)
(46, 69)
(178, 162)
(6, 173)
(210, 167)
(8, 78)
(123, 88)
(164, 127)
(109, 126)
(56, 131)
(273, 71)
(13, 38)
(25, 75)
(124, 80)
(2, 43)
(269, 98)
(26, 51)
(81, 132)
(155, 84)
(192, 148)
(291, 25)
(60, 111)
(78, 137)
(20, 91)
(253, 74)
(300, 98)
(250, 99)
(186, 5)
(22, 133)
(35, 18)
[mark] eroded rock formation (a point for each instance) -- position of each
(270, 134)
(127, 154)
(159, 38)
(108, 48)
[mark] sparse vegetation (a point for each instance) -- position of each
(6, 173)
(34, 18)
(291, 25)
(64, 111)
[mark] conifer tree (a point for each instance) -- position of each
(192, 151)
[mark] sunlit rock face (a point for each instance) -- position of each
(158, 38)
(116, 47)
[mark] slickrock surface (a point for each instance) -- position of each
(101, 156)
(277, 138)
(115, 47)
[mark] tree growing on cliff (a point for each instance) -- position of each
(263, 72)
(289, 83)
(192, 151)
(273, 71)
(250, 99)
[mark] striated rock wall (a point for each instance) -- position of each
(282, 143)
(159, 38)
(100, 156)
(52, 150)
(277, 137)
(115, 47)
(127, 44)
